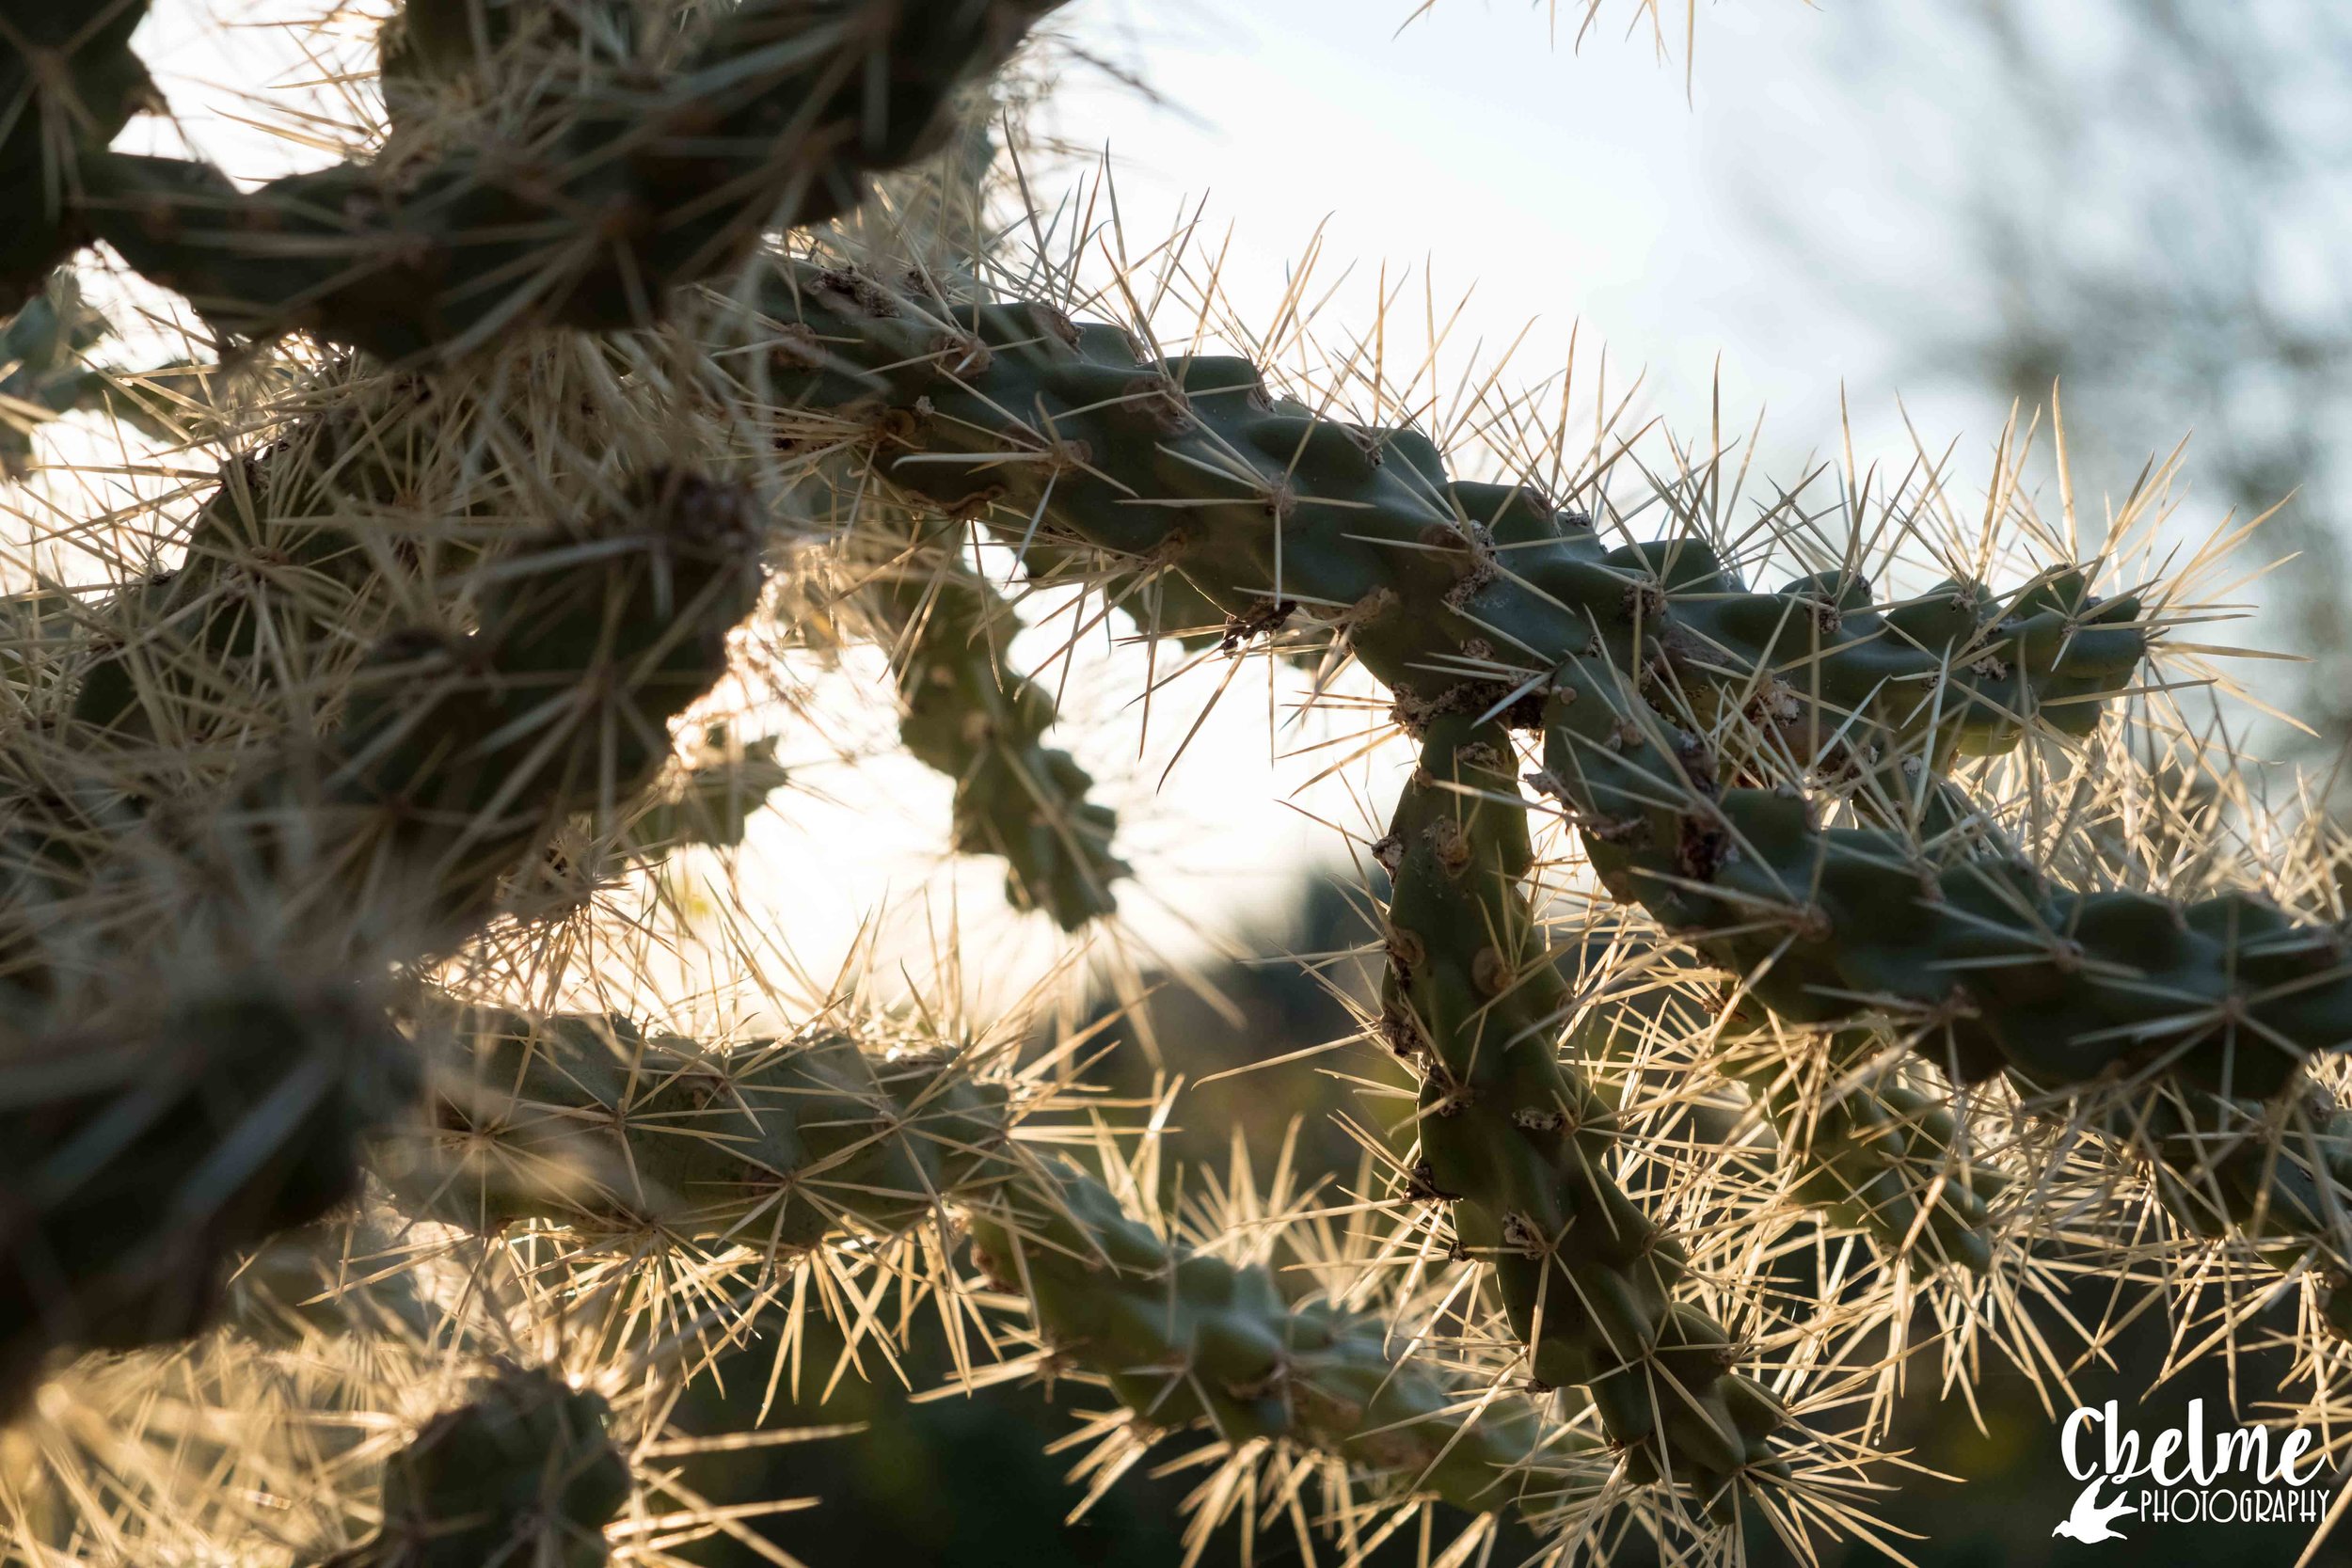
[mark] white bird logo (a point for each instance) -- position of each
(2089, 1522)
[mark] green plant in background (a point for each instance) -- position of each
(1757, 971)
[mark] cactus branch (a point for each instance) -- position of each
(969, 715)
(1522, 1146)
(775, 119)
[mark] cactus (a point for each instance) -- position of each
(140, 1156)
(969, 716)
(69, 83)
(1185, 1337)
(587, 1122)
(777, 116)
(523, 1474)
(398, 692)
(1520, 1146)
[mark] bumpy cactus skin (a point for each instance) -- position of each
(137, 1163)
(1185, 1338)
(1449, 590)
(2226, 994)
(971, 716)
(521, 1476)
(777, 119)
(1522, 1146)
(279, 554)
(587, 1122)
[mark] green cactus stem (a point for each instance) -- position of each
(969, 715)
(269, 591)
(69, 83)
(776, 119)
(2002, 968)
(522, 1475)
(43, 369)
(461, 754)
(138, 1157)
(1184, 1337)
(713, 802)
(339, 1276)
(1875, 1156)
(1450, 591)
(586, 1121)
(1519, 1145)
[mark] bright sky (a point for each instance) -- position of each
(1579, 191)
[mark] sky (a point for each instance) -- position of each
(1561, 192)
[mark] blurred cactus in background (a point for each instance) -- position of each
(1743, 1008)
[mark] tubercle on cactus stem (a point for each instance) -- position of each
(968, 714)
(1520, 1145)
(775, 118)
(524, 1473)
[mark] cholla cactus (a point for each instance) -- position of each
(384, 1086)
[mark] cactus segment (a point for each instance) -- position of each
(969, 715)
(587, 1122)
(460, 755)
(522, 1475)
(332, 1276)
(776, 119)
(1520, 1145)
(713, 803)
(2063, 989)
(42, 374)
(280, 552)
(1879, 1157)
(1876, 1156)
(138, 1160)
(1185, 1337)
(1450, 591)
(69, 84)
